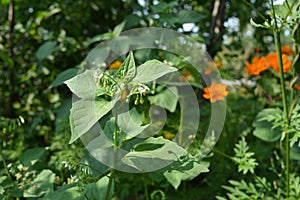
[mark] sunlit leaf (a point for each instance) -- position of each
(152, 70)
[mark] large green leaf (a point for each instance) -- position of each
(31, 156)
(97, 191)
(85, 114)
(153, 154)
(41, 185)
(46, 49)
(63, 76)
(263, 126)
(130, 123)
(166, 99)
(152, 70)
(184, 170)
(67, 191)
(83, 85)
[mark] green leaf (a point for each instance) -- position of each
(130, 123)
(161, 7)
(83, 85)
(85, 114)
(184, 170)
(46, 49)
(98, 190)
(281, 11)
(31, 156)
(5, 2)
(152, 70)
(187, 16)
(153, 159)
(166, 99)
(63, 76)
(67, 191)
(96, 168)
(7, 59)
(127, 70)
(264, 25)
(96, 57)
(119, 45)
(263, 127)
(97, 38)
(119, 28)
(41, 185)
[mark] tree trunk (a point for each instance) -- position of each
(217, 27)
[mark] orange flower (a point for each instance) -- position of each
(286, 49)
(115, 65)
(218, 64)
(258, 65)
(297, 87)
(256, 50)
(169, 136)
(273, 62)
(208, 71)
(215, 92)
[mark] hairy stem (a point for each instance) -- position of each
(112, 170)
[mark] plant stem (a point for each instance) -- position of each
(146, 190)
(223, 154)
(112, 170)
(284, 101)
(4, 163)
(258, 12)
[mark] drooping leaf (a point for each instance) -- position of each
(263, 127)
(41, 185)
(85, 114)
(31, 156)
(153, 159)
(152, 70)
(184, 170)
(46, 49)
(63, 76)
(167, 99)
(83, 85)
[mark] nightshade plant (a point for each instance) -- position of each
(107, 116)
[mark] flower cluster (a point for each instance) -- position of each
(270, 61)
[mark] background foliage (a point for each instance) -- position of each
(39, 40)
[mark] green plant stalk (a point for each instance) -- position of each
(4, 163)
(284, 101)
(258, 12)
(112, 170)
(146, 190)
